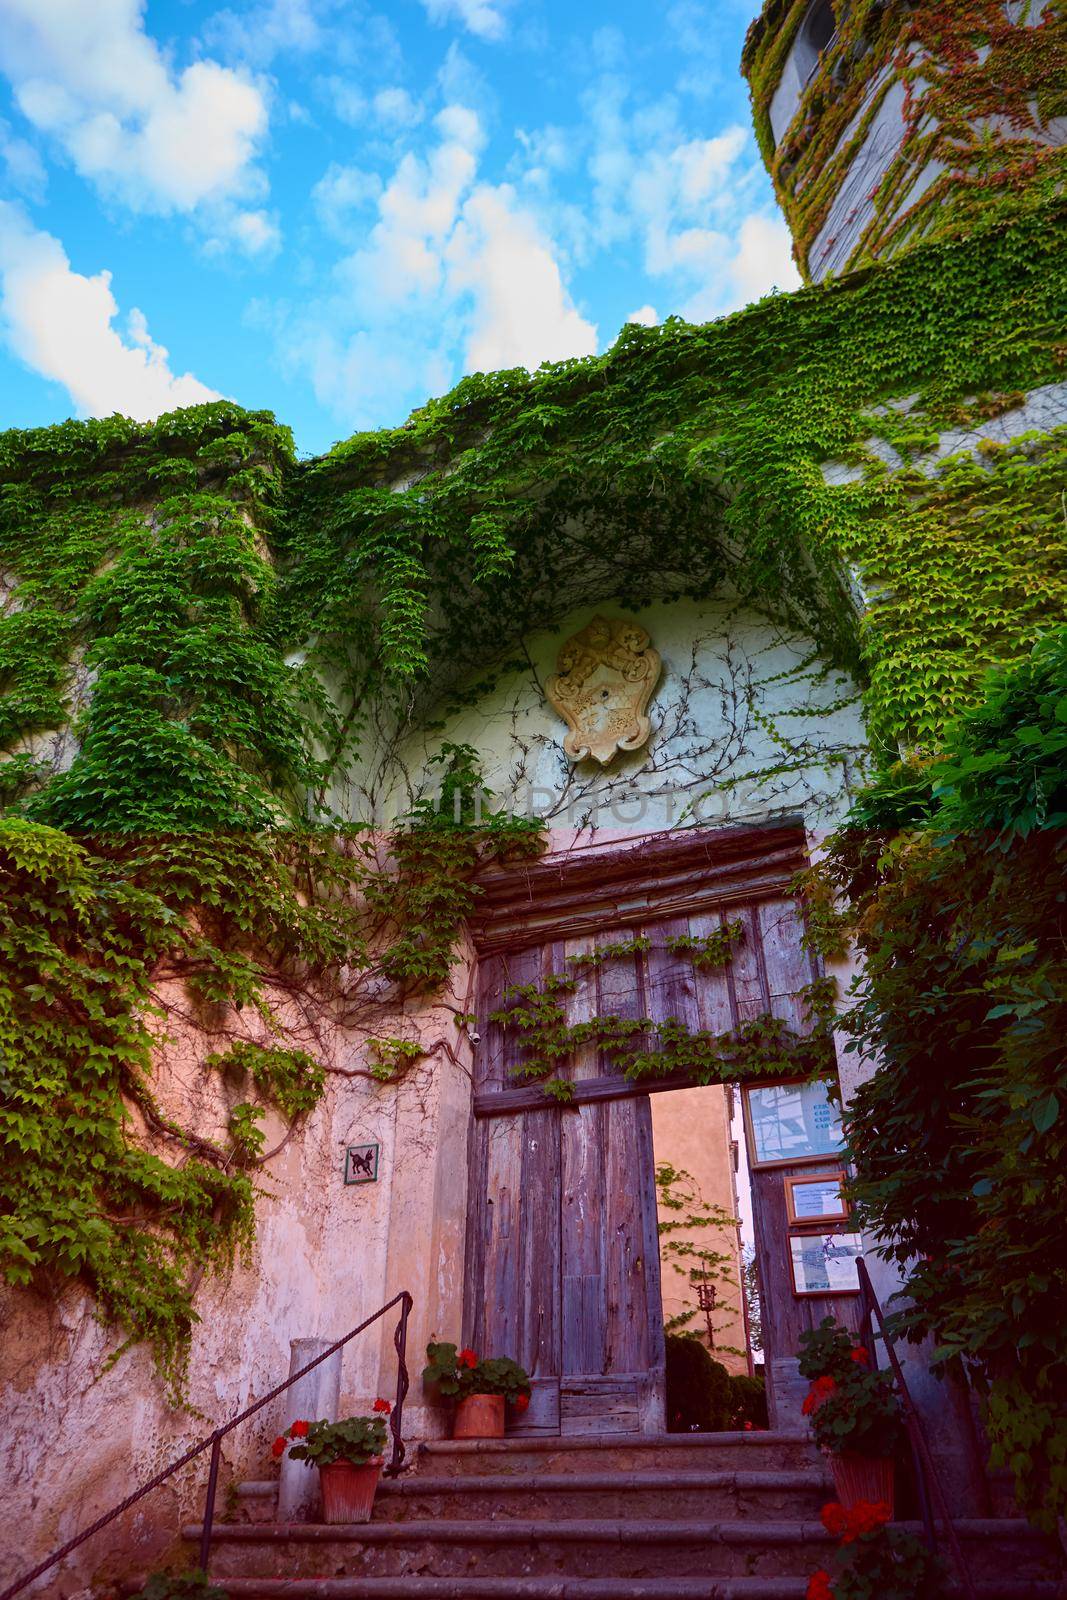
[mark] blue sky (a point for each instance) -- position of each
(334, 209)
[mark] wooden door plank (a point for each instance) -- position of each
(539, 1344)
(582, 1007)
(715, 1008)
(619, 986)
(596, 1405)
(489, 1052)
(746, 969)
(626, 1257)
(542, 1415)
(653, 1393)
(474, 1299)
(502, 1285)
(584, 1315)
(499, 1050)
(787, 964)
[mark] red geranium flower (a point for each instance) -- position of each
(522, 1402)
(865, 1517)
(382, 1406)
(278, 1447)
(820, 1390)
(819, 1587)
(467, 1358)
(299, 1430)
(835, 1520)
(859, 1355)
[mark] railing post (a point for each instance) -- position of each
(396, 1421)
(209, 1502)
(927, 1469)
(214, 1442)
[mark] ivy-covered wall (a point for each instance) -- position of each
(205, 642)
(920, 120)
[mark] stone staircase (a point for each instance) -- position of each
(674, 1517)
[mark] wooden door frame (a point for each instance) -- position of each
(582, 891)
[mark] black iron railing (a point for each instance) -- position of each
(927, 1482)
(213, 1442)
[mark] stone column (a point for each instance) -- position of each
(312, 1399)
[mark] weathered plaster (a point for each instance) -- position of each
(746, 725)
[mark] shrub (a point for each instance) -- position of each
(699, 1394)
(750, 1401)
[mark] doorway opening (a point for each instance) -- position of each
(568, 1271)
(756, 1245)
(708, 1277)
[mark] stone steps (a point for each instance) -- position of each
(663, 1452)
(999, 1551)
(554, 1588)
(559, 1496)
(669, 1517)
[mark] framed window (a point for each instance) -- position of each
(825, 1263)
(789, 1122)
(815, 1197)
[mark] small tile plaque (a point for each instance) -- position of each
(361, 1163)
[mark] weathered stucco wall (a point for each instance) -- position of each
(326, 1255)
(746, 725)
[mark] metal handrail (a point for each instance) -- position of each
(927, 1480)
(213, 1442)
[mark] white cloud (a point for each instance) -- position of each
(155, 139)
(647, 316)
(522, 312)
(61, 324)
(756, 260)
(481, 17)
(255, 233)
(395, 108)
(698, 209)
(340, 192)
(261, 32)
(455, 274)
(346, 100)
(22, 165)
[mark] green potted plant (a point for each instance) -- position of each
(349, 1457)
(854, 1413)
(481, 1389)
(179, 1586)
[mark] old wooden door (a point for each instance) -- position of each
(563, 1257)
(562, 1249)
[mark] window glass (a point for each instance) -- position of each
(792, 1122)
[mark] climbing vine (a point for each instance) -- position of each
(691, 1231)
(980, 90)
(200, 638)
(954, 875)
(639, 1048)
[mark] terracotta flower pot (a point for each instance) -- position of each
(480, 1416)
(869, 1478)
(348, 1490)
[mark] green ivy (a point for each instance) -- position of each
(957, 877)
(639, 1048)
(980, 90)
(200, 631)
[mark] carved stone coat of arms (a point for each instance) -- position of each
(604, 680)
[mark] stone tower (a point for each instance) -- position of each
(883, 122)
